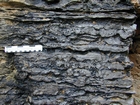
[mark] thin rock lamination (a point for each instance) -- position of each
(84, 61)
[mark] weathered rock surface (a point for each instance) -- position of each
(135, 57)
(84, 61)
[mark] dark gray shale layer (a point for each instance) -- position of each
(85, 57)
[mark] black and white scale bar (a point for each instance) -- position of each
(26, 48)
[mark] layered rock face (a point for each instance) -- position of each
(85, 56)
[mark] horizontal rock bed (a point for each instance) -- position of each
(85, 52)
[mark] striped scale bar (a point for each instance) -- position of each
(25, 48)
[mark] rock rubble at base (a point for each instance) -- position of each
(85, 56)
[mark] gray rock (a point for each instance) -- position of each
(80, 81)
(84, 58)
(88, 56)
(49, 89)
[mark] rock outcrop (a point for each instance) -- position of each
(85, 57)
